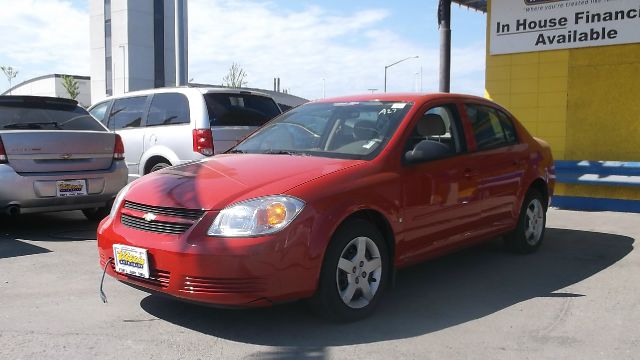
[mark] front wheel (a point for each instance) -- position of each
(529, 233)
(354, 273)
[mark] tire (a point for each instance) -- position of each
(97, 214)
(343, 296)
(529, 232)
(159, 166)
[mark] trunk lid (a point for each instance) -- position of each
(58, 151)
(46, 134)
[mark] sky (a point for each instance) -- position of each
(336, 45)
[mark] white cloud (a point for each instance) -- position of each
(41, 37)
(348, 50)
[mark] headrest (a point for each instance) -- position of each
(365, 130)
(431, 125)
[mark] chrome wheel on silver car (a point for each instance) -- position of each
(359, 272)
(354, 272)
(529, 232)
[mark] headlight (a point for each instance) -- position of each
(254, 217)
(118, 200)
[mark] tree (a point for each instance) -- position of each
(71, 85)
(10, 73)
(235, 77)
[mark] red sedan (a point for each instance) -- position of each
(326, 201)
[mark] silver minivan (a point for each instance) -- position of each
(54, 156)
(170, 126)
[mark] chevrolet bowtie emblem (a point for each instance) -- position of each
(65, 156)
(149, 217)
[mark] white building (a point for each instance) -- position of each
(133, 45)
(51, 85)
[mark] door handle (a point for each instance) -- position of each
(468, 172)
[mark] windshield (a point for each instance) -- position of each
(355, 130)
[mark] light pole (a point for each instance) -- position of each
(124, 68)
(395, 63)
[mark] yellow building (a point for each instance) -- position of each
(570, 72)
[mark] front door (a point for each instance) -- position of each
(440, 193)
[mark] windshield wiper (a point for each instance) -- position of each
(235, 151)
(31, 125)
(285, 152)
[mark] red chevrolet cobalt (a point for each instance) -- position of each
(326, 201)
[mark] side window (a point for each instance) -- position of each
(507, 126)
(240, 109)
(99, 111)
(168, 109)
(437, 134)
(489, 130)
(127, 113)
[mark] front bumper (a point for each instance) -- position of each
(35, 192)
(239, 272)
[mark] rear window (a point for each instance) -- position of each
(45, 115)
(240, 109)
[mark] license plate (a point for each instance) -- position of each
(66, 188)
(131, 260)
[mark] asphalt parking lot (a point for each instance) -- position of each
(579, 297)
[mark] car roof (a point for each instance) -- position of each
(186, 90)
(404, 97)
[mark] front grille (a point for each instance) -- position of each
(193, 284)
(162, 227)
(157, 278)
(192, 214)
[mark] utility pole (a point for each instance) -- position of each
(444, 22)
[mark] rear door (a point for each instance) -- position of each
(233, 116)
(44, 135)
(126, 118)
(501, 159)
(169, 126)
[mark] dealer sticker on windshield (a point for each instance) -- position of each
(131, 260)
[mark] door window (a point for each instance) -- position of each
(127, 113)
(437, 134)
(99, 111)
(168, 109)
(491, 128)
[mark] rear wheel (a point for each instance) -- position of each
(354, 273)
(529, 233)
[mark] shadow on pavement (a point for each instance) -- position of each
(427, 298)
(46, 227)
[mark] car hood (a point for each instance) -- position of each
(219, 181)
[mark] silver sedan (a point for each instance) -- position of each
(55, 156)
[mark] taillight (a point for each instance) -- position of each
(203, 141)
(118, 149)
(3, 154)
